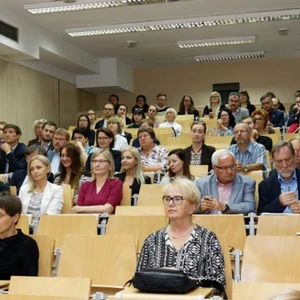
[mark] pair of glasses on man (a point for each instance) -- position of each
(177, 200)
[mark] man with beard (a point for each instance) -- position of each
(279, 193)
(249, 155)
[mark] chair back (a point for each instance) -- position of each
(23, 224)
(150, 194)
(157, 210)
(68, 195)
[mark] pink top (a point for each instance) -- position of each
(224, 191)
(111, 193)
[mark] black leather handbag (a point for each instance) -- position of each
(163, 280)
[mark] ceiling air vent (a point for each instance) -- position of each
(9, 31)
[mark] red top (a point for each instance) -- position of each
(111, 193)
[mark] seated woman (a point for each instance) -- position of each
(71, 169)
(182, 244)
(178, 166)
(152, 113)
(199, 153)
(225, 122)
(171, 115)
(105, 140)
(153, 157)
(141, 103)
(83, 121)
(245, 101)
(212, 110)
(19, 253)
(104, 192)
(144, 123)
(187, 107)
(115, 125)
(261, 123)
(39, 196)
(122, 111)
(294, 116)
(131, 171)
(137, 116)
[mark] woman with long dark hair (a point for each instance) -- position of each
(187, 107)
(83, 121)
(226, 122)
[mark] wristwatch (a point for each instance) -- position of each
(245, 169)
(227, 209)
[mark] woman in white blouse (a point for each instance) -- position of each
(171, 115)
(39, 196)
(115, 125)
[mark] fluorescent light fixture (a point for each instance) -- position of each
(259, 17)
(217, 42)
(60, 6)
(230, 56)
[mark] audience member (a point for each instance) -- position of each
(261, 123)
(153, 157)
(187, 107)
(199, 153)
(19, 253)
(145, 123)
(234, 104)
(104, 192)
(2, 124)
(39, 196)
(249, 155)
(116, 126)
(294, 116)
(171, 115)
(92, 117)
(122, 111)
(296, 145)
(277, 104)
(212, 110)
(105, 140)
(225, 191)
(11, 150)
(225, 122)
(108, 112)
(83, 121)
(114, 100)
(80, 136)
(161, 104)
(179, 166)
(279, 193)
(137, 117)
(60, 139)
(48, 130)
(38, 127)
(152, 112)
(245, 101)
(276, 117)
(131, 171)
(141, 103)
(182, 244)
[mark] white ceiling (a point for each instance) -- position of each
(158, 48)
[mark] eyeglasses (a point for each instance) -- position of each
(257, 119)
(83, 120)
(103, 138)
(240, 131)
(177, 200)
(108, 109)
(58, 139)
(226, 168)
(99, 161)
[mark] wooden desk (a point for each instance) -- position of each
(131, 293)
(4, 284)
(260, 291)
(35, 297)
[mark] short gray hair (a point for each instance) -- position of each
(172, 110)
(221, 153)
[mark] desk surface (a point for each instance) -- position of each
(132, 293)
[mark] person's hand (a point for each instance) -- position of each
(5, 147)
(75, 209)
(80, 146)
(206, 203)
(254, 134)
(219, 123)
(239, 166)
(287, 198)
(295, 207)
(211, 115)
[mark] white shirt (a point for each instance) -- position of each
(120, 142)
(174, 125)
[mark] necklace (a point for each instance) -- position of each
(181, 235)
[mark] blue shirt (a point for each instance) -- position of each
(288, 186)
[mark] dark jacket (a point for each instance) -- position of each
(193, 112)
(276, 117)
(15, 159)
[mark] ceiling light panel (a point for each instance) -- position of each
(230, 56)
(186, 23)
(60, 6)
(216, 42)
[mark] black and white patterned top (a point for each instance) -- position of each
(200, 257)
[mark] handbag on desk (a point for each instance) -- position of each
(163, 280)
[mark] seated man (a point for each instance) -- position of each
(225, 191)
(19, 254)
(249, 155)
(280, 192)
(276, 117)
(11, 151)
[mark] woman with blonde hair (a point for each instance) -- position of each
(131, 171)
(214, 106)
(39, 196)
(104, 192)
(115, 124)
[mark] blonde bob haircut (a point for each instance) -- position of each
(187, 188)
(138, 173)
(116, 120)
(215, 94)
(43, 159)
(107, 155)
